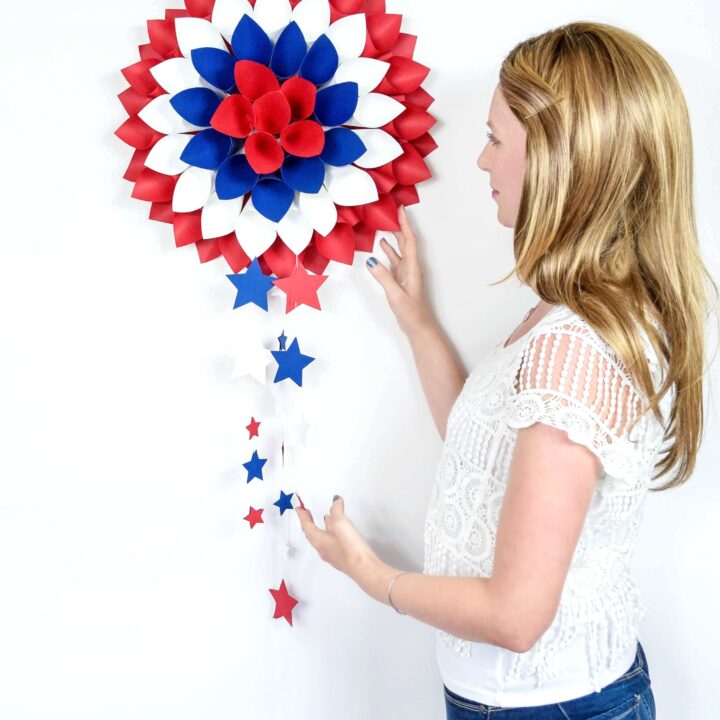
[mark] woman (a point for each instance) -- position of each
(552, 441)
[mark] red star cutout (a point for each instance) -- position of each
(284, 602)
(301, 288)
(253, 427)
(254, 517)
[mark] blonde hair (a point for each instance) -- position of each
(606, 224)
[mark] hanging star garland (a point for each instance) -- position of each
(254, 517)
(254, 466)
(284, 502)
(253, 427)
(301, 288)
(291, 363)
(252, 286)
(284, 602)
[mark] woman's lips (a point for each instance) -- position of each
(494, 193)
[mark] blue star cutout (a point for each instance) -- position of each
(281, 339)
(252, 286)
(254, 466)
(291, 363)
(284, 503)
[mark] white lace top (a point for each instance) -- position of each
(568, 378)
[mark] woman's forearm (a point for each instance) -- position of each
(441, 371)
(467, 607)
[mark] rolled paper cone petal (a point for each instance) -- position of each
(382, 214)
(160, 115)
(349, 35)
(197, 33)
(162, 37)
(342, 146)
(139, 76)
(384, 30)
(413, 123)
(137, 133)
(234, 117)
(300, 94)
(207, 149)
(295, 229)
(217, 67)
(254, 231)
(410, 168)
(381, 147)
(319, 209)
(425, 144)
(375, 110)
(219, 217)
(192, 190)
(406, 75)
(367, 72)
(348, 7)
(250, 41)
(263, 153)
(272, 112)
(186, 227)
(154, 186)
(289, 51)
(338, 244)
(164, 157)
(272, 15)
(313, 18)
(176, 74)
(350, 185)
(254, 80)
(305, 138)
(226, 15)
(196, 105)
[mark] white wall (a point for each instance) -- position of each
(131, 585)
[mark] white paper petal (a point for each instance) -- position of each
(349, 35)
(381, 147)
(272, 16)
(227, 14)
(374, 110)
(219, 217)
(165, 155)
(349, 185)
(254, 231)
(319, 209)
(193, 189)
(176, 74)
(160, 115)
(194, 33)
(295, 229)
(313, 17)
(366, 72)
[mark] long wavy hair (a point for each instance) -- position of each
(606, 224)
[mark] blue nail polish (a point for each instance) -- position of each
(335, 497)
(372, 262)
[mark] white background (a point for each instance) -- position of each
(131, 585)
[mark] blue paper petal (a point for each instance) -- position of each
(207, 149)
(235, 178)
(321, 61)
(272, 198)
(336, 104)
(250, 42)
(304, 174)
(215, 65)
(196, 105)
(289, 52)
(342, 147)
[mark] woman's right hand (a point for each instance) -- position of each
(403, 283)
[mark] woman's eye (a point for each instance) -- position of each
(491, 138)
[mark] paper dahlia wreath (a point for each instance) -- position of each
(279, 130)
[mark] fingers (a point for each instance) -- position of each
(391, 253)
(386, 279)
(312, 532)
(337, 509)
(408, 241)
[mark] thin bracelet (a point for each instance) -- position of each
(404, 572)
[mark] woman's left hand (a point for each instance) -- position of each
(340, 544)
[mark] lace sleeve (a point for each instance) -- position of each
(570, 379)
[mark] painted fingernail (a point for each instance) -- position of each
(335, 497)
(372, 262)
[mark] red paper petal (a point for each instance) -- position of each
(413, 122)
(383, 177)
(200, 8)
(162, 212)
(425, 144)
(186, 227)
(139, 76)
(301, 95)
(253, 80)
(235, 117)
(162, 37)
(208, 249)
(405, 74)
(304, 139)
(137, 164)
(312, 259)
(381, 214)
(172, 13)
(405, 195)
(232, 252)
(364, 238)
(348, 7)
(280, 259)
(272, 112)
(420, 97)
(154, 186)
(405, 46)
(349, 214)
(133, 101)
(338, 244)
(148, 53)
(384, 30)
(410, 168)
(263, 152)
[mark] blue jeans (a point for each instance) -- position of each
(630, 697)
